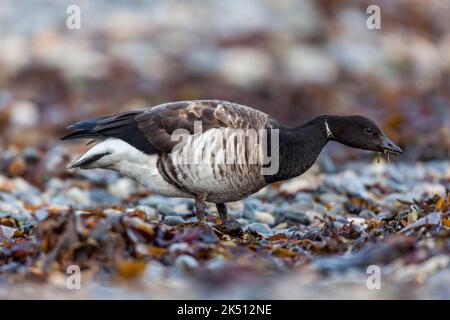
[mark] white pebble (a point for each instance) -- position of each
(264, 217)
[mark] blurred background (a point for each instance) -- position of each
(293, 59)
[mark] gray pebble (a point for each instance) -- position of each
(165, 209)
(336, 210)
(260, 228)
(271, 194)
(338, 224)
(235, 214)
(390, 201)
(347, 182)
(242, 222)
(215, 263)
(30, 154)
(313, 215)
(264, 217)
(301, 206)
(332, 198)
(386, 215)
(153, 200)
(10, 205)
(173, 220)
(184, 213)
(249, 212)
(303, 197)
(367, 214)
(103, 197)
(179, 247)
(320, 209)
(396, 186)
(186, 262)
(299, 217)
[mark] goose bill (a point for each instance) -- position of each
(389, 147)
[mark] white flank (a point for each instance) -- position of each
(131, 163)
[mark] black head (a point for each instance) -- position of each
(358, 132)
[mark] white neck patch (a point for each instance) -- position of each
(329, 133)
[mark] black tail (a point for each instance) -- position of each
(122, 126)
(86, 129)
(103, 127)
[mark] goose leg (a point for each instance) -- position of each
(222, 209)
(200, 208)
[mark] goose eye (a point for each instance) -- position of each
(369, 130)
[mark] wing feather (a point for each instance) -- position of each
(150, 130)
(158, 123)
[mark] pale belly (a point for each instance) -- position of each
(220, 183)
(147, 174)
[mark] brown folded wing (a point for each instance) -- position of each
(159, 123)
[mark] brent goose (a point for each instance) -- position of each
(148, 145)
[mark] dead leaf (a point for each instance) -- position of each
(441, 204)
(446, 222)
(278, 237)
(130, 269)
(156, 252)
(283, 253)
(412, 217)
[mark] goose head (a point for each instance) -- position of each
(359, 132)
